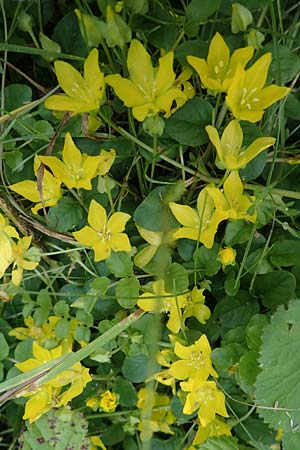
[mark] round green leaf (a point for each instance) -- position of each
(127, 292)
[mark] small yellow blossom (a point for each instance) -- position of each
(77, 169)
(158, 301)
(194, 362)
(279, 434)
(201, 224)
(247, 97)
(104, 235)
(29, 189)
(149, 90)
(161, 415)
(109, 401)
(21, 261)
(6, 233)
(49, 395)
(196, 307)
(218, 70)
(93, 403)
(205, 397)
(215, 428)
(82, 94)
(227, 256)
(231, 154)
(232, 203)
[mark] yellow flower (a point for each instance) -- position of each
(247, 97)
(93, 403)
(161, 414)
(215, 428)
(109, 401)
(6, 233)
(155, 239)
(47, 396)
(149, 90)
(218, 70)
(205, 397)
(196, 307)
(51, 192)
(83, 94)
(21, 261)
(227, 256)
(104, 235)
(77, 169)
(159, 301)
(194, 361)
(232, 203)
(201, 224)
(230, 153)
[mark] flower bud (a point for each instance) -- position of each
(255, 38)
(91, 28)
(154, 125)
(241, 18)
(117, 32)
(227, 256)
(25, 22)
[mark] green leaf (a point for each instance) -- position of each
(43, 299)
(248, 371)
(127, 292)
(67, 35)
(291, 441)
(206, 259)
(235, 311)
(135, 368)
(154, 213)
(62, 328)
(120, 264)
(17, 95)
(187, 125)
(176, 279)
(275, 288)
(285, 253)
(126, 391)
(220, 443)
(284, 62)
(237, 232)
(195, 14)
(61, 308)
(65, 216)
(4, 348)
(278, 384)
(254, 331)
(227, 356)
(113, 434)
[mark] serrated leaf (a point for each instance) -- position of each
(220, 443)
(278, 384)
(187, 124)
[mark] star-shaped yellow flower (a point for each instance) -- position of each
(247, 97)
(51, 192)
(149, 90)
(83, 94)
(77, 169)
(194, 362)
(205, 397)
(103, 234)
(232, 203)
(230, 153)
(21, 259)
(201, 224)
(218, 70)
(159, 301)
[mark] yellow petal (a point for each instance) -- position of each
(27, 189)
(140, 67)
(144, 256)
(152, 237)
(71, 154)
(126, 90)
(165, 75)
(93, 76)
(185, 215)
(97, 216)
(65, 103)
(270, 95)
(256, 75)
(119, 242)
(71, 81)
(86, 236)
(218, 57)
(116, 223)
(101, 250)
